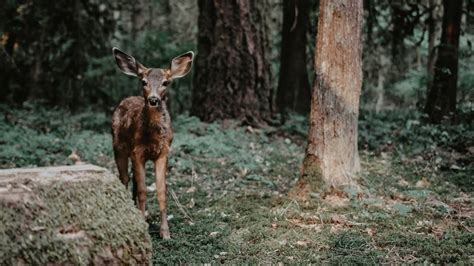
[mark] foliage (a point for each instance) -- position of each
(37, 136)
(56, 224)
(232, 182)
(153, 48)
(49, 45)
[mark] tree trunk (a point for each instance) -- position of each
(441, 100)
(369, 6)
(470, 16)
(331, 158)
(431, 42)
(294, 91)
(398, 35)
(232, 73)
(139, 18)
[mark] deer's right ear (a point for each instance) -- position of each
(127, 63)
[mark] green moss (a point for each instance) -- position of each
(313, 175)
(241, 211)
(73, 222)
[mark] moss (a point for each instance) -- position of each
(312, 175)
(74, 222)
(238, 218)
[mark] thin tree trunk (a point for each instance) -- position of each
(139, 18)
(432, 35)
(294, 92)
(470, 16)
(398, 35)
(232, 73)
(441, 100)
(370, 7)
(332, 158)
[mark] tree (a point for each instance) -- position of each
(331, 158)
(49, 48)
(232, 71)
(294, 91)
(441, 100)
(432, 22)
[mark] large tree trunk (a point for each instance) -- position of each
(331, 158)
(294, 91)
(232, 74)
(441, 100)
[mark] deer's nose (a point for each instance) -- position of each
(154, 101)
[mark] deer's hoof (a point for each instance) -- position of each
(165, 234)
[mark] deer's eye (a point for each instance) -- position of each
(165, 83)
(144, 83)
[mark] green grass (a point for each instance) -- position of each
(233, 183)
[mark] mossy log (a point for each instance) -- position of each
(69, 215)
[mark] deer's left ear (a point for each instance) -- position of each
(181, 65)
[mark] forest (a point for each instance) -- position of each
(276, 131)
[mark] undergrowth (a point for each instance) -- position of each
(231, 185)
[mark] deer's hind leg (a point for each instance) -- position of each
(121, 159)
(138, 164)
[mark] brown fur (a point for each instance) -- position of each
(142, 133)
(141, 128)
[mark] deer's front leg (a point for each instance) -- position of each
(160, 173)
(138, 162)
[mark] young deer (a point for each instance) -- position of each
(141, 127)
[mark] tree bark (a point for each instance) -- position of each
(331, 158)
(470, 16)
(398, 34)
(232, 73)
(294, 92)
(432, 30)
(441, 100)
(369, 6)
(139, 18)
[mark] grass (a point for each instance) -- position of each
(233, 181)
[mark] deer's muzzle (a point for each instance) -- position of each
(154, 101)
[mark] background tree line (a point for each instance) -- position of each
(255, 57)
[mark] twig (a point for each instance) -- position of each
(180, 207)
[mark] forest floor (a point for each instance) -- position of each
(228, 187)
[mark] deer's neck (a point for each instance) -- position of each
(154, 118)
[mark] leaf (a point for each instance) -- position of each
(402, 209)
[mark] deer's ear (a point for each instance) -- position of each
(181, 65)
(127, 63)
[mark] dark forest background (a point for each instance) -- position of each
(59, 53)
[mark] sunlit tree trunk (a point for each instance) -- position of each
(232, 71)
(294, 91)
(441, 100)
(331, 158)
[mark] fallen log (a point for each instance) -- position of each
(69, 215)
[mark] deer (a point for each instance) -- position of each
(141, 128)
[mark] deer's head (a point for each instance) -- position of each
(154, 81)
